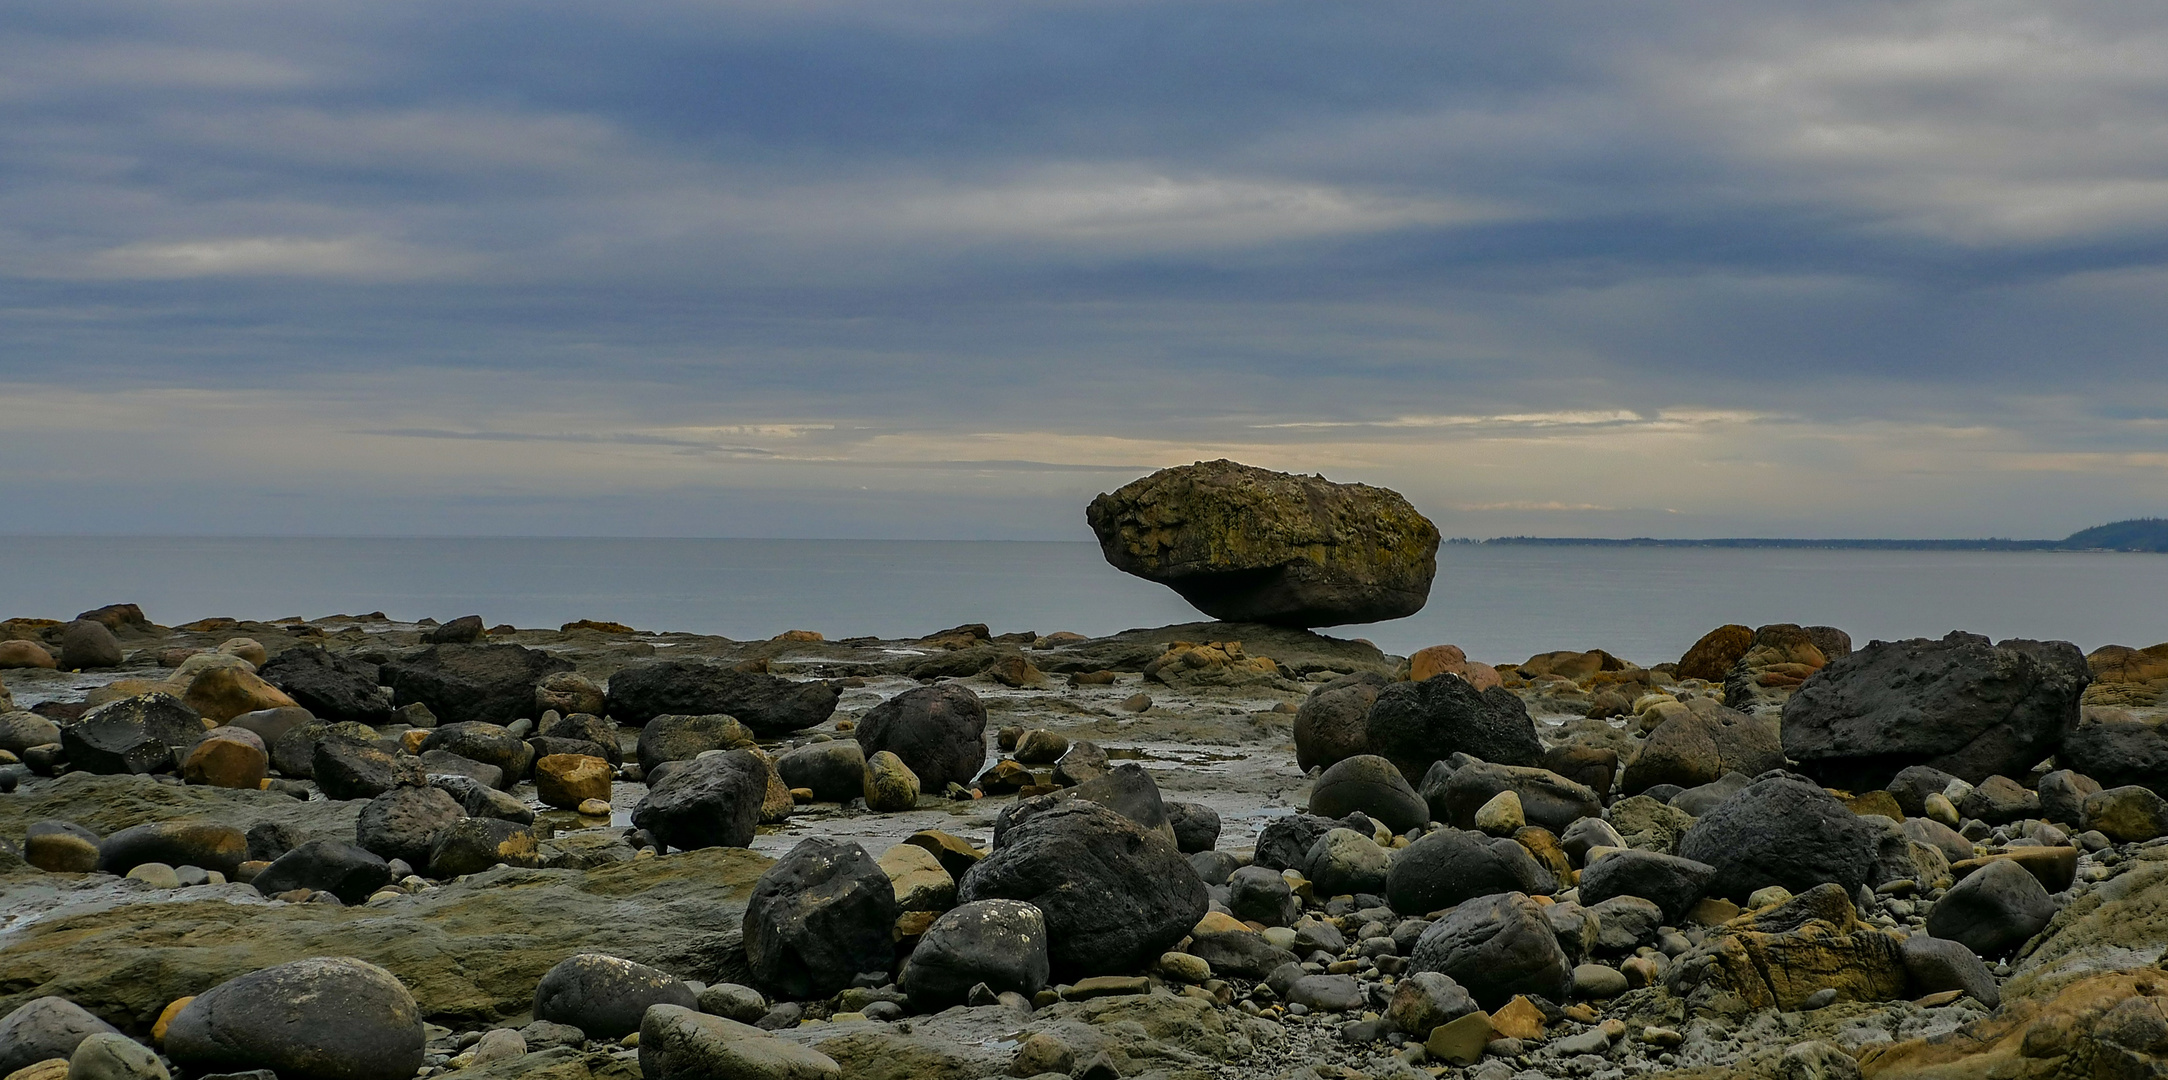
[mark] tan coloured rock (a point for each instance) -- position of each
(1219, 663)
(920, 881)
(1711, 658)
(1450, 660)
(228, 757)
(567, 780)
(221, 694)
(890, 784)
(248, 649)
(2100, 1026)
(25, 654)
(2127, 678)
(1778, 957)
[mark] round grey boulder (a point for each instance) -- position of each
(605, 996)
(834, 771)
(1449, 866)
(1414, 724)
(1993, 910)
(325, 1018)
(711, 801)
(1496, 947)
(1001, 943)
(343, 870)
(1260, 895)
(403, 823)
(1781, 830)
(822, 915)
(939, 731)
(1333, 723)
(45, 1028)
(1196, 826)
(1370, 784)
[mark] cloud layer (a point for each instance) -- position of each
(843, 268)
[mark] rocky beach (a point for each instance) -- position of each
(349, 847)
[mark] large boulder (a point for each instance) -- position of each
(675, 737)
(224, 692)
(769, 704)
(605, 996)
(45, 1028)
(677, 1043)
(1780, 658)
(1001, 943)
(343, 870)
(1252, 545)
(1333, 723)
(1417, 723)
(1496, 947)
(1993, 910)
(492, 684)
(472, 845)
(228, 757)
(1711, 657)
(1697, 743)
(823, 914)
(349, 768)
(19, 731)
(85, 644)
(1546, 798)
(834, 771)
(403, 823)
(711, 801)
(2127, 678)
(1449, 866)
(1669, 882)
(1115, 894)
(1370, 784)
(1960, 704)
(1127, 789)
(490, 744)
(1780, 957)
(1781, 830)
(1284, 843)
(208, 844)
(2118, 753)
(140, 734)
(328, 1018)
(939, 731)
(329, 685)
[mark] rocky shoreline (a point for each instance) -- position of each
(1213, 849)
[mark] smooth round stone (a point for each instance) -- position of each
(107, 1056)
(594, 808)
(156, 874)
(1596, 982)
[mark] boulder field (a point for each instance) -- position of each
(1212, 850)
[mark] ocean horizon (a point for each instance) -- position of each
(1501, 603)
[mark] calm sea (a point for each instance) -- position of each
(1499, 603)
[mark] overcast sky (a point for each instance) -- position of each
(925, 269)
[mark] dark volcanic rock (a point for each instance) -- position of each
(673, 737)
(1196, 826)
(487, 743)
(1115, 894)
(1414, 724)
(1001, 943)
(2119, 753)
(1913, 784)
(328, 1018)
(1334, 721)
(834, 771)
(1935, 965)
(472, 845)
(1960, 704)
(493, 684)
(1700, 745)
(1993, 910)
(293, 751)
(464, 630)
(1285, 841)
(210, 845)
(42, 1029)
(1256, 894)
(764, 703)
(343, 870)
(347, 768)
(1547, 799)
(939, 731)
(138, 734)
(1241, 543)
(586, 727)
(1126, 789)
(1669, 882)
(1448, 866)
(1370, 784)
(403, 823)
(819, 917)
(605, 996)
(1496, 947)
(706, 802)
(331, 686)
(1781, 830)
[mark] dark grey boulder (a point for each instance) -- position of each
(1588, 833)
(464, 630)
(1416, 723)
(330, 686)
(1999, 800)
(674, 737)
(1993, 910)
(1285, 841)
(141, 734)
(267, 840)
(605, 996)
(1259, 895)
(1333, 723)
(490, 744)
(1369, 784)
(1196, 826)
(1937, 964)
(1960, 704)
(1214, 867)
(325, 1018)
(711, 801)
(939, 731)
(206, 844)
(45, 1028)
(1673, 884)
(1953, 845)
(1084, 761)
(347, 768)
(1624, 923)
(765, 703)
(403, 823)
(1547, 799)
(1424, 1001)
(834, 771)
(1697, 801)
(1115, 894)
(1914, 783)
(1002, 943)
(586, 727)
(1327, 993)
(2062, 795)
(437, 763)
(823, 914)
(472, 845)
(1451, 866)
(343, 870)
(2119, 753)
(1781, 830)
(1700, 744)
(1245, 544)
(1127, 789)
(492, 684)
(85, 645)
(1496, 947)
(293, 750)
(481, 800)
(1239, 954)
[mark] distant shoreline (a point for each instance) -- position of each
(1776, 542)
